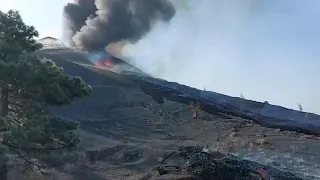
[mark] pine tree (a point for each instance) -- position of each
(29, 86)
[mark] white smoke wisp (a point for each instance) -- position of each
(263, 49)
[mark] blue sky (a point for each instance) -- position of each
(45, 15)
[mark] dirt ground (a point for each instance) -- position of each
(125, 133)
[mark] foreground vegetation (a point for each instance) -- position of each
(29, 87)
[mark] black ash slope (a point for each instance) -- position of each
(110, 91)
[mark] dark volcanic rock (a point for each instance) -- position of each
(194, 163)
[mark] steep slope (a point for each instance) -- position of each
(131, 122)
(262, 113)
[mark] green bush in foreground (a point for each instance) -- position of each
(29, 86)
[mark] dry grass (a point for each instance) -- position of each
(195, 109)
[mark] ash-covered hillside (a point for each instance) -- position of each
(263, 113)
(136, 127)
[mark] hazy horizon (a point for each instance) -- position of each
(266, 50)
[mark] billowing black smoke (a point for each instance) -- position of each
(93, 24)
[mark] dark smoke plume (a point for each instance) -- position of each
(93, 24)
(75, 16)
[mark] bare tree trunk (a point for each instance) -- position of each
(4, 109)
(3, 171)
(4, 101)
(4, 105)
